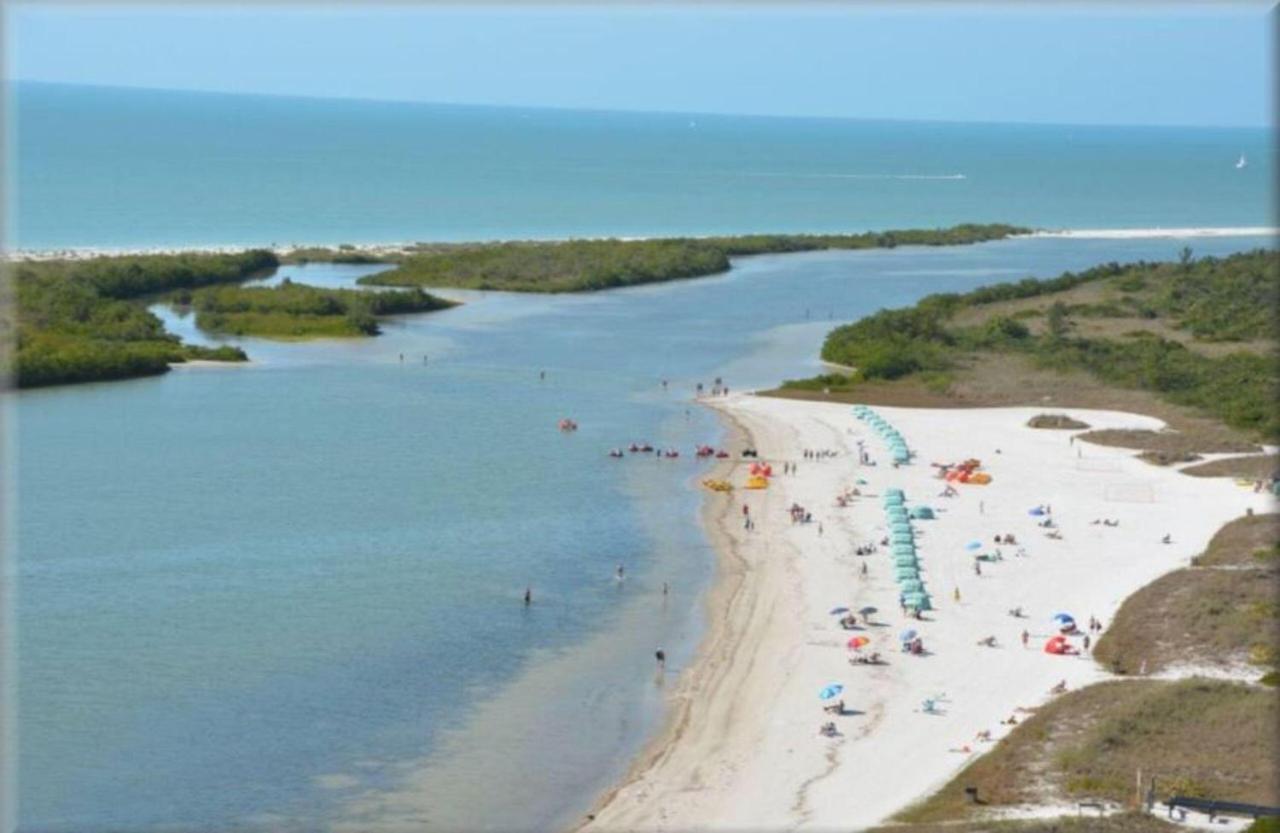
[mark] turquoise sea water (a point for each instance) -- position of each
(287, 595)
(119, 168)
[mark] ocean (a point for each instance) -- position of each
(107, 167)
(288, 595)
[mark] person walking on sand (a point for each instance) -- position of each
(1026, 637)
(1086, 643)
(864, 568)
(819, 528)
(955, 594)
(977, 567)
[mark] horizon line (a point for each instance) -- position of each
(625, 111)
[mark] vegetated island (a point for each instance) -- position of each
(294, 311)
(590, 265)
(1192, 342)
(85, 320)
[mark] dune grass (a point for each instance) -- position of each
(1248, 466)
(1195, 737)
(1130, 822)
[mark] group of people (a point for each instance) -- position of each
(718, 388)
(846, 497)
(819, 453)
(799, 515)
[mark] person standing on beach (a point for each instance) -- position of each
(955, 594)
(1026, 637)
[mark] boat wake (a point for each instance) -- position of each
(796, 175)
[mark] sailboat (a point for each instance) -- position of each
(1241, 162)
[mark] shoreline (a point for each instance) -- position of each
(715, 515)
(391, 249)
(732, 750)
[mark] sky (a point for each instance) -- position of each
(1050, 63)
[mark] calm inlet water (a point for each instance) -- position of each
(119, 168)
(287, 595)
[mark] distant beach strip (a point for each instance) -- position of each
(392, 249)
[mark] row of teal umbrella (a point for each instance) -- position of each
(897, 445)
(902, 549)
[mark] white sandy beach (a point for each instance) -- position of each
(1173, 233)
(742, 750)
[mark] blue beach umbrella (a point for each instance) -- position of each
(1064, 617)
(907, 635)
(973, 545)
(1037, 512)
(836, 610)
(830, 691)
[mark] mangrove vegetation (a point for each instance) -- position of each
(1200, 333)
(292, 310)
(86, 321)
(591, 265)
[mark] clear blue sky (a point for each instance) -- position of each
(1152, 64)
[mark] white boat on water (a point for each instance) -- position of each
(1241, 162)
